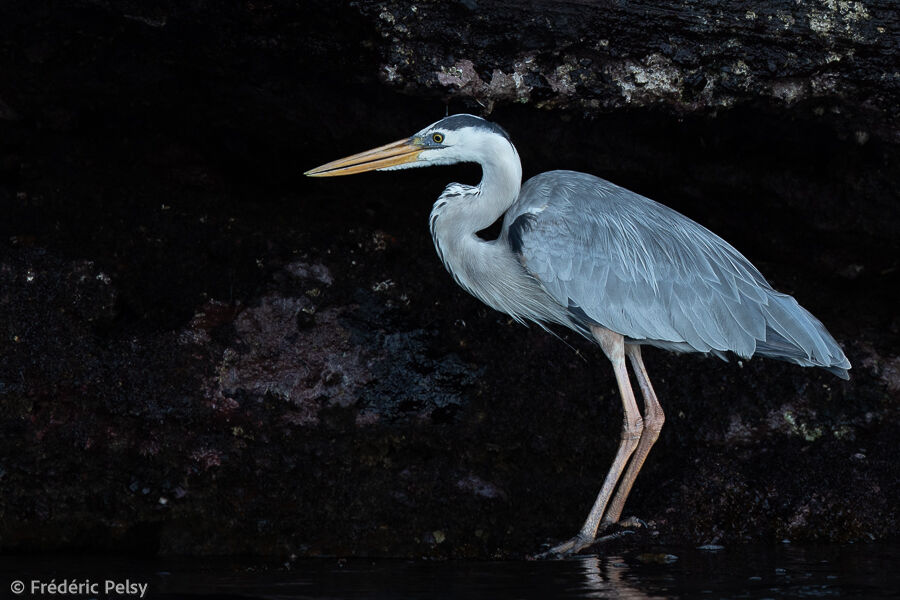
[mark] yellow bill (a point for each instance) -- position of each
(391, 155)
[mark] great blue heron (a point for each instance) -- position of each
(608, 263)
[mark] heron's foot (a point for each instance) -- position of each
(622, 528)
(581, 542)
(567, 548)
(627, 524)
(578, 543)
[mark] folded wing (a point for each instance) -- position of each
(623, 261)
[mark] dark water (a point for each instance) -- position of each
(859, 571)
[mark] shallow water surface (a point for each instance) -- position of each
(859, 571)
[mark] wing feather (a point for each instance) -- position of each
(641, 269)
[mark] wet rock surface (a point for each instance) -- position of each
(206, 353)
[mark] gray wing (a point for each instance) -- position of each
(630, 264)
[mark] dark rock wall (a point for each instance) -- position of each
(683, 57)
(206, 353)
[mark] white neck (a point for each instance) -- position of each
(488, 269)
(462, 211)
(501, 180)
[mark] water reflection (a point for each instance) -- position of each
(607, 578)
(581, 578)
(775, 572)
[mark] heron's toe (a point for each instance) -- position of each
(629, 523)
(622, 528)
(579, 542)
(633, 523)
(567, 548)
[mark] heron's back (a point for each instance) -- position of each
(617, 259)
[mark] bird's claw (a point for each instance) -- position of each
(567, 548)
(613, 536)
(580, 542)
(626, 527)
(633, 523)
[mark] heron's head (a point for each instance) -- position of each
(453, 139)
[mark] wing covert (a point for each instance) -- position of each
(636, 266)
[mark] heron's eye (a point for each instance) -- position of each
(437, 138)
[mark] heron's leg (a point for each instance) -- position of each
(613, 346)
(653, 422)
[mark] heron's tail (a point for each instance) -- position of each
(794, 335)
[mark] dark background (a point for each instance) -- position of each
(204, 352)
